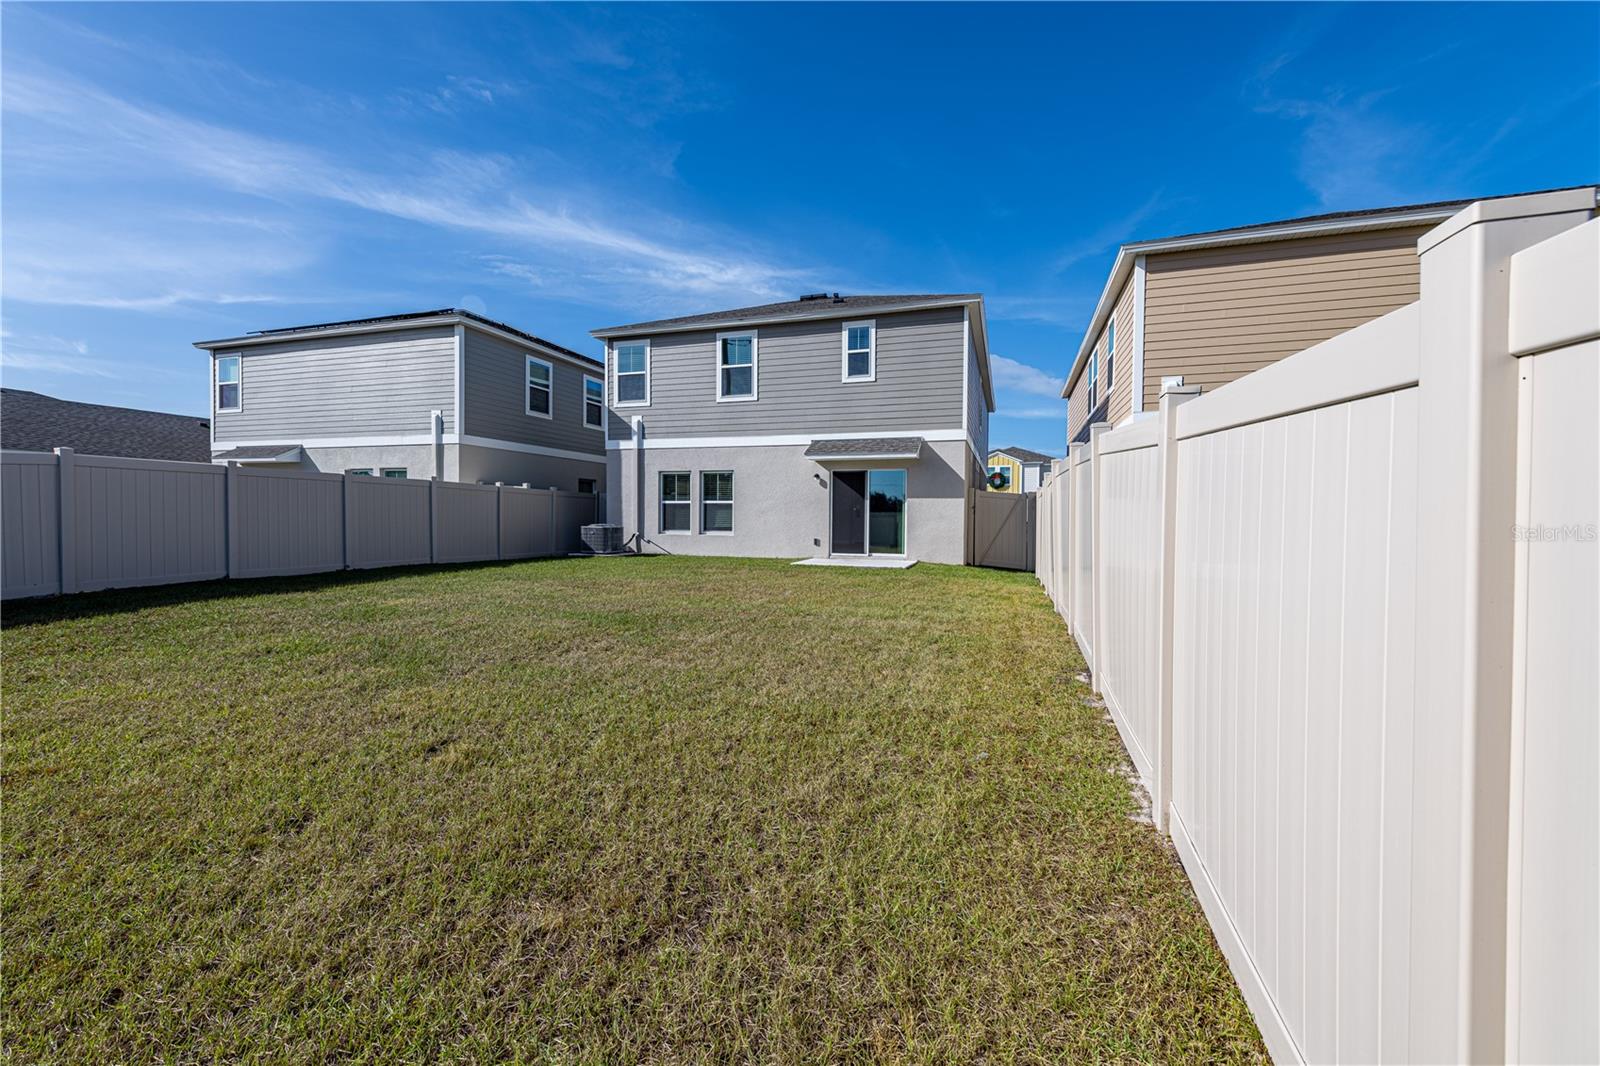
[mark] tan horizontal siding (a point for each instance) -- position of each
(1122, 367)
(1215, 315)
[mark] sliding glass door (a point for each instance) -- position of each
(868, 512)
(886, 512)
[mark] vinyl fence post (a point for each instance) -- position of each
(344, 517)
(1096, 582)
(230, 500)
(1166, 614)
(66, 516)
(433, 520)
(553, 550)
(1465, 586)
(499, 496)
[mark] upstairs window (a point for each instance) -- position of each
(632, 361)
(716, 501)
(1094, 377)
(736, 366)
(228, 383)
(594, 402)
(860, 351)
(1111, 353)
(539, 381)
(675, 501)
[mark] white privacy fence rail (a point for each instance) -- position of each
(1345, 613)
(76, 523)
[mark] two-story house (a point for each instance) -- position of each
(1206, 308)
(435, 394)
(843, 427)
(1016, 469)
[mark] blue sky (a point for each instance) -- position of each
(185, 172)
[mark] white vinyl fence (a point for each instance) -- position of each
(75, 523)
(1345, 613)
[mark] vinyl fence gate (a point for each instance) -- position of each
(1002, 529)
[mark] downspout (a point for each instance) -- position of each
(638, 481)
(438, 445)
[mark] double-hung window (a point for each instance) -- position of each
(228, 383)
(632, 362)
(594, 402)
(716, 501)
(860, 351)
(1111, 353)
(540, 387)
(675, 501)
(736, 366)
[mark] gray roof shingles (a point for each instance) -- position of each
(820, 306)
(889, 447)
(34, 422)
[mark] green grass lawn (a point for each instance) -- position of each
(597, 810)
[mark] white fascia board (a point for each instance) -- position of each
(395, 440)
(389, 327)
(833, 312)
(784, 440)
(1122, 268)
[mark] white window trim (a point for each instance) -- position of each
(704, 532)
(598, 381)
(527, 408)
(616, 378)
(389, 471)
(755, 364)
(662, 502)
(216, 385)
(360, 471)
(872, 351)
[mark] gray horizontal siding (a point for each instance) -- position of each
(497, 405)
(977, 408)
(377, 384)
(918, 386)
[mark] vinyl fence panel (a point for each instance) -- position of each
(527, 523)
(286, 522)
(1553, 936)
(466, 522)
(389, 522)
(574, 510)
(1130, 527)
(30, 538)
(142, 522)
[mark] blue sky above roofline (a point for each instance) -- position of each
(177, 172)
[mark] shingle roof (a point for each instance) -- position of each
(378, 320)
(32, 421)
(1026, 455)
(820, 305)
(260, 451)
(866, 448)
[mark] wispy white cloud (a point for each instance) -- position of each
(56, 363)
(1115, 232)
(1020, 377)
(553, 236)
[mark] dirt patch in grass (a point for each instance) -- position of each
(589, 810)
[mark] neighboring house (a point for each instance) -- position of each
(34, 422)
(1019, 469)
(446, 394)
(825, 426)
(1207, 308)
